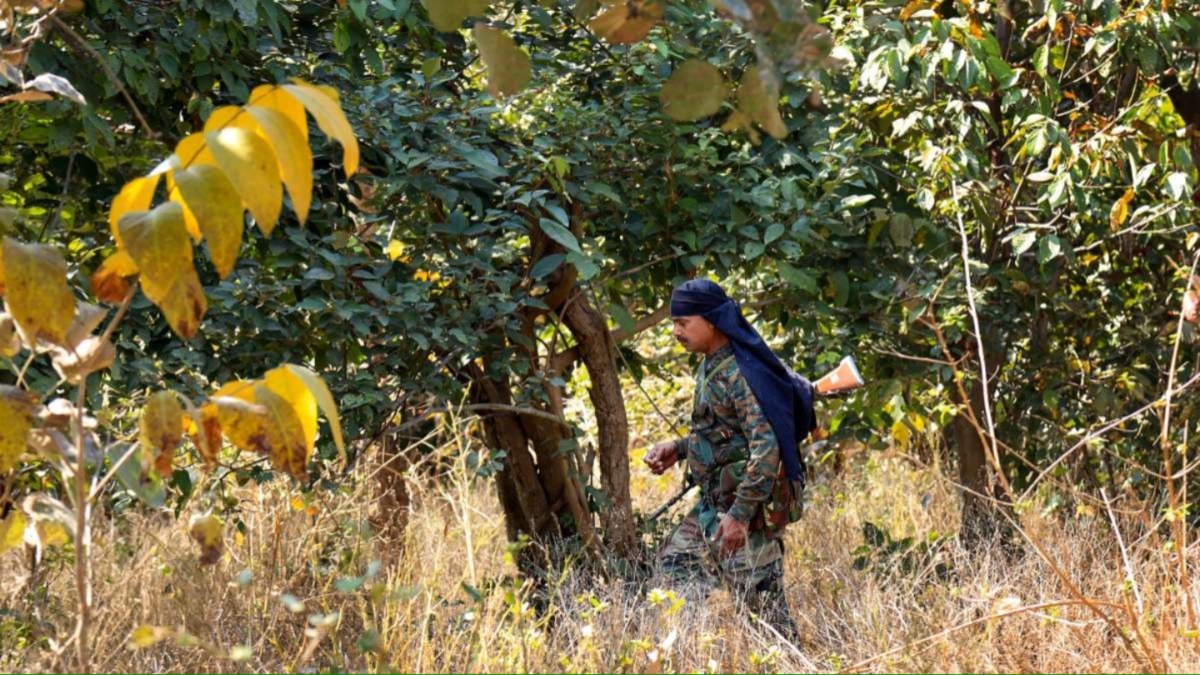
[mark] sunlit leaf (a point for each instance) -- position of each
(36, 290)
(276, 98)
(159, 244)
(16, 416)
(1120, 210)
(294, 156)
(206, 530)
(694, 91)
(206, 434)
(627, 22)
(320, 393)
(56, 84)
(136, 195)
(256, 419)
(448, 15)
(250, 164)
(508, 66)
(109, 281)
(10, 342)
(12, 531)
(758, 99)
(161, 429)
(212, 209)
(330, 119)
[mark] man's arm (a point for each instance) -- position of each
(763, 465)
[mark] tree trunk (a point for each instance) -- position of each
(973, 472)
(390, 508)
(597, 349)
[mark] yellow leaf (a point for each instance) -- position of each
(158, 242)
(134, 196)
(224, 117)
(10, 342)
(250, 164)
(330, 120)
(1120, 210)
(448, 15)
(12, 531)
(293, 153)
(508, 66)
(290, 377)
(901, 433)
(257, 419)
(283, 441)
(694, 91)
(53, 522)
(627, 22)
(324, 397)
(108, 281)
(206, 531)
(395, 251)
(162, 429)
(147, 636)
(206, 434)
(276, 98)
(35, 286)
(16, 416)
(758, 99)
(193, 150)
(288, 386)
(212, 207)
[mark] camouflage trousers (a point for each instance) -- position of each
(754, 574)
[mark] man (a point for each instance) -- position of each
(750, 413)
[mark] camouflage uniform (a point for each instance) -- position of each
(733, 455)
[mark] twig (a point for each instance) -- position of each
(108, 72)
(1112, 518)
(82, 555)
(983, 371)
(1165, 446)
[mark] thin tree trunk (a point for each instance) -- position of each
(597, 350)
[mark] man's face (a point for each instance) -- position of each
(693, 332)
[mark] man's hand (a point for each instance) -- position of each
(662, 457)
(731, 535)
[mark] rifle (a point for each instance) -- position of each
(845, 378)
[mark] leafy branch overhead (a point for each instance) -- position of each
(242, 160)
(787, 40)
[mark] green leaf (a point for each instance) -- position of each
(694, 91)
(1023, 241)
(584, 265)
(547, 265)
(774, 231)
(1049, 248)
(797, 277)
(753, 249)
(622, 316)
(901, 230)
(839, 288)
(561, 235)
(1178, 185)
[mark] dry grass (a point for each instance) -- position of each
(415, 614)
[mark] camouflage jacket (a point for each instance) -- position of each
(732, 452)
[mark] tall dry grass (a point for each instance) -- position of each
(307, 588)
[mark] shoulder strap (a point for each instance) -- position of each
(708, 372)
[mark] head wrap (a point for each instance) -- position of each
(785, 397)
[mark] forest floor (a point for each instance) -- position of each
(874, 576)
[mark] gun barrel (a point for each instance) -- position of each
(841, 379)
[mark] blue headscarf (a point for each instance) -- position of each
(785, 397)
